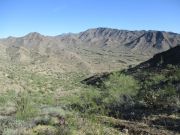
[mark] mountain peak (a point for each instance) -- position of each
(34, 35)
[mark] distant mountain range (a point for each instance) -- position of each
(94, 50)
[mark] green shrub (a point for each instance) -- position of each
(157, 78)
(89, 101)
(177, 75)
(118, 86)
(43, 130)
(119, 89)
(45, 98)
(25, 107)
(7, 97)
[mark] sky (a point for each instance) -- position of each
(54, 17)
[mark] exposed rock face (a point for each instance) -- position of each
(96, 50)
(154, 40)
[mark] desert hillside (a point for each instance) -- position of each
(94, 50)
(100, 81)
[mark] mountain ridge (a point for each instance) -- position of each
(99, 49)
(96, 28)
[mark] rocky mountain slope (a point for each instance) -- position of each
(158, 63)
(156, 102)
(94, 50)
(170, 57)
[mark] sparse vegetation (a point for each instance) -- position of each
(57, 103)
(25, 107)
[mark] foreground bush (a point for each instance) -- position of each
(118, 89)
(25, 106)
